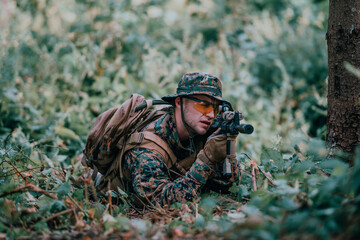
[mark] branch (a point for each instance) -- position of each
(268, 177)
(78, 205)
(257, 167)
(26, 170)
(30, 187)
(247, 156)
(7, 139)
(110, 199)
(253, 166)
(58, 214)
(16, 170)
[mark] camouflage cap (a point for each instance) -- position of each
(197, 83)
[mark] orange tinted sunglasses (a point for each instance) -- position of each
(204, 106)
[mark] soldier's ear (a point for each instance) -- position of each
(177, 102)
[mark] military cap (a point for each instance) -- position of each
(197, 83)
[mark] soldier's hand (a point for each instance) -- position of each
(214, 150)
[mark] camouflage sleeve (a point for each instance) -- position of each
(151, 179)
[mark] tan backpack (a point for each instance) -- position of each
(115, 132)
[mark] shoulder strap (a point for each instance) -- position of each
(152, 142)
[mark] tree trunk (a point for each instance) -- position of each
(343, 38)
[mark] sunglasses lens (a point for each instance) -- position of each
(205, 108)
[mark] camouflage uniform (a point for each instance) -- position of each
(148, 176)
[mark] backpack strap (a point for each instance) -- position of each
(151, 141)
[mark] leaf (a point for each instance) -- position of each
(63, 190)
(288, 204)
(177, 224)
(337, 166)
(243, 193)
(57, 206)
(302, 166)
(121, 223)
(108, 218)
(78, 194)
(5, 187)
(272, 154)
(122, 193)
(316, 147)
(250, 210)
(199, 221)
(42, 226)
(61, 158)
(7, 207)
(208, 204)
(297, 148)
(66, 133)
(141, 225)
(291, 161)
(282, 188)
(48, 161)
(91, 213)
(11, 93)
(176, 205)
(48, 171)
(325, 212)
(237, 217)
(296, 219)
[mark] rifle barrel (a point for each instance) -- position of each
(245, 128)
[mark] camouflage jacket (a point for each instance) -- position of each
(151, 179)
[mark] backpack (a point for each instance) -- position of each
(115, 132)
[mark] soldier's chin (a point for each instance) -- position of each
(202, 131)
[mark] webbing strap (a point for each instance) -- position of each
(152, 141)
(149, 141)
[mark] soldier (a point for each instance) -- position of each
(185, 130)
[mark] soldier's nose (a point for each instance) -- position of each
(211, 115)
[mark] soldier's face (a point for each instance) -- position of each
(199, 115)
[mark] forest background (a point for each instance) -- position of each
(62, 63)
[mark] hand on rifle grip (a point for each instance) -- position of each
(215, 149)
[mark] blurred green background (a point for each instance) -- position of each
(64, 62)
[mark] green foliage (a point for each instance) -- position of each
(305, 195)
(63, 63)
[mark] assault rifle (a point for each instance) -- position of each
(229, 123)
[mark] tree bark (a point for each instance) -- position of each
(343, 39)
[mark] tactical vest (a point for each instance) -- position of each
(148, 140)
